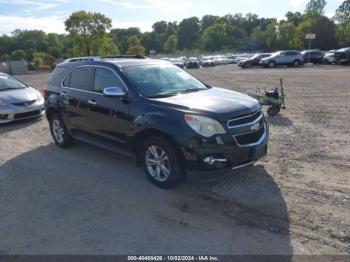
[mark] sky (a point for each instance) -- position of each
(49, 15)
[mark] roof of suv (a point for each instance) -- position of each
(120, 61)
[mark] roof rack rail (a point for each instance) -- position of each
(126, 56)
(83, 59)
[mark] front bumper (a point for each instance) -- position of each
(10, 113)
(224, 151)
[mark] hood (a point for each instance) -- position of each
(18, 95)
(217, 102)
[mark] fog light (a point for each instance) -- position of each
(211, 160)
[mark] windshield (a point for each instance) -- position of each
(154, 81)
(8, 82)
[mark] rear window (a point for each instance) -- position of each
(80, 78)
(57, 75)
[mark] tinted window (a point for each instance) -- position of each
(66, 81)
(80, 78)
(291, 53)
(105, 78)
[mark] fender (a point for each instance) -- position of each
(169, 124)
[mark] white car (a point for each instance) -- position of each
(18, 101)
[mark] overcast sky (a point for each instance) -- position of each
(49, 15)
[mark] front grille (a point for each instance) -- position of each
(250, 138)
(26, 103)
(245, 119)
(27, 114)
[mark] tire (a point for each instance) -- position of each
(273, 111)
(248, 65)
(59, 131)
(164, 172)
(296, 63)
(272, 64)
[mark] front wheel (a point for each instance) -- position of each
(272, 64)
(161, 163)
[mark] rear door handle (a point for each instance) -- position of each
(92, 102)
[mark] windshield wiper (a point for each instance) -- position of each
(192, 90)
(164, 95)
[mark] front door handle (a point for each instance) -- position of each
(92, 102)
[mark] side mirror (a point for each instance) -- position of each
(114, 92)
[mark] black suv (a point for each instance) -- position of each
(170, 121)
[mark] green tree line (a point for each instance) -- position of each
(92, 34)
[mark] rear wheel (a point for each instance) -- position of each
(296, 63)
(59, 131)
(161, 163)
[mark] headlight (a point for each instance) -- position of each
(3, 103)
(205, 126)
(39, 97)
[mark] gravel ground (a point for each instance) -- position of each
(88, 201)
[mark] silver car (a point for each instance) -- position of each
(286, 58)
(18, 101)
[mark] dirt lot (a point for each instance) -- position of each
(88, 201)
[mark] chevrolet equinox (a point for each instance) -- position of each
(168, 120)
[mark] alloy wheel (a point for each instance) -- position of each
(58, 131)
(158, 163)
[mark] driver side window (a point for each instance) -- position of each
(105, 78)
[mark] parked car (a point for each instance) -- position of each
(329, 58)
(342, 56)
(286, 58)
(253, 61)
(207, 62)
(192, 63)
(232, 59)
(170, 121)
(178, 62)
(313, 56)
(18, 101)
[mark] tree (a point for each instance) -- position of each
(322, 26)
(18, 55)
(315, 7)
(343, 12)
(208, 20)
(136, 50)
(294, 18)
(86, 26)
(171, 44)
(343, 34)
(160, 27)
(189, 33)
(214, 37)
(43, 61)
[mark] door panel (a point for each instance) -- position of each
(108, 116)
(76, 96)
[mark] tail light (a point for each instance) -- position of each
(45, 92)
